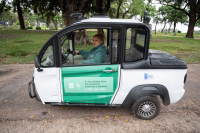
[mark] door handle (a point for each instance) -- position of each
(112, 70)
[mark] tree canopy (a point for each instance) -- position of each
(58, 12)
(4, 6)
(189, 7)
(8, 17)
(170, 15)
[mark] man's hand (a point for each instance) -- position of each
(79, 63)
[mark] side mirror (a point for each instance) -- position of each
(37, 64)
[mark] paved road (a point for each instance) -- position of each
(17, 106)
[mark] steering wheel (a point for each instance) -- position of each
(64, 57)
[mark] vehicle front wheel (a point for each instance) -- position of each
(146, 107)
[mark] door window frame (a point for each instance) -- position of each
(79, 27)
(119, 45)
(104, 25)
(146, 45)
(43, 50)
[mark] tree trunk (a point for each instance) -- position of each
(155, 27)
(130, 16)
(123, 16)
(174, 26)
(163, 27)
(118, 9)
(47, 23)
(191, 25)
(37, 22)
(66, 17)
(99, 6)
(192, 18)
(75, 6)
(68, 8)
(56, 24)
(20, 17)
(82, 37)
(169, 27)
(190, 29)
(100, 31)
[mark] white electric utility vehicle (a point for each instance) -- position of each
(131, 75)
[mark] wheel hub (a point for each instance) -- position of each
(147, 109)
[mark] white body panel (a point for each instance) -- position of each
(118, 84)
(172, 79)
(48, 84)
(110, 20)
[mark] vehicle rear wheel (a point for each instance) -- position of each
(146, 108)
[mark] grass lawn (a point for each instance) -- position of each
(20, 46)
(185, 48)
(196, 35)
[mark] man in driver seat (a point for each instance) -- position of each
(96, 55)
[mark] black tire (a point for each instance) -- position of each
(146, 107)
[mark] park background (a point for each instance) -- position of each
(25, 25)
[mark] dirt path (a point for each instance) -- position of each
(3, 36)
(20, 113)
(176, 121)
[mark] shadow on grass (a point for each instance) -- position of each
(19, 53)
(23, 41)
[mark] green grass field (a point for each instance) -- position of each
(23, 45)
(196, 35)
(20, 46)
(185, 48)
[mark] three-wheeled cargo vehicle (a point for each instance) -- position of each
(130, 75)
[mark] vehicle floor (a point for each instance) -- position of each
(20, 113)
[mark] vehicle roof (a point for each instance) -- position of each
(110, 20)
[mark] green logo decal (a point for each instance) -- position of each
(88, 84)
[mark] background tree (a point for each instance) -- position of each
(170, 15)
(8, 17)
(25, 22)
(35, 18)
(170, 21)
(175, 16)
(4, 6)
(57, 20)
(190, 7)
(162, 11)
(157, 20)
(151, 11)
(198, 23)
(21, 6)
(31, 20)
(99, 6)
(128, 9)
(73, 6)
(47, 10)
(102, 6)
